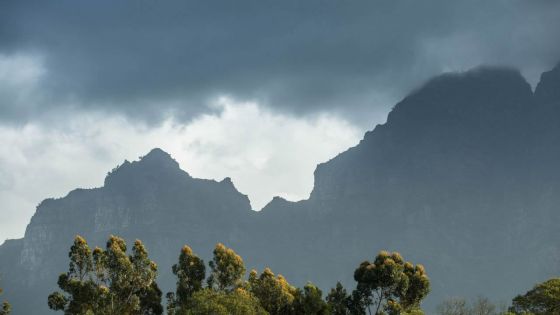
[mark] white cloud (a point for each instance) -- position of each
(265, 153)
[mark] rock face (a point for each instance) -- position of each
(464, 177)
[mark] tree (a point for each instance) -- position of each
(483, 306)
(236, 302)
(227, 268)
(418, 286)
(108, 282)
(274, 293)
(459, 306)
(83, 294)
(389, 284)
(543, 299)
(190, 272)
(309, 301)
(339, 301)
(226, 292)
(5, 307)
(453, 306)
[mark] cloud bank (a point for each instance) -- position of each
(151, 60)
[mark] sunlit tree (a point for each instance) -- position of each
(227, 269)
(190, 272)
(274, 293)
(226, 291)
(236, 302)
(108, 282)
(391, 285)
(339, 301)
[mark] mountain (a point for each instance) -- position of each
(151, 199)
(463, 177)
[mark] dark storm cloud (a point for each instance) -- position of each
(145, 58)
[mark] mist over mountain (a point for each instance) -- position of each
(464, 177)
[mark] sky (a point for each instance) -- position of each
(257, 90)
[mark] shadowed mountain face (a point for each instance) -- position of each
(464, 177)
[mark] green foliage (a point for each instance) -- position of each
(107, 282)
(110, 282)
(5, 307)
(418, 286)
(339, 301)
(274, 293)
(227, 268)
(543, 299)
(390, 285)
(190, 272)
(227, 293)
(236, 302)
(309, 301)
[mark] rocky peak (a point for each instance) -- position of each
(159, 158)
(157, 165)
